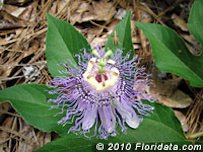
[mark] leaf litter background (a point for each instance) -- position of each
(22, 47)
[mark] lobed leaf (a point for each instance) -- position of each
(63, 41)
(171, 54)
(30, 101)
(195, 21)
(121, 37)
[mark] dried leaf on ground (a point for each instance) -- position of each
(168, 94)
(179, 22)
(8, 21)
(97, 11)
(182, 118)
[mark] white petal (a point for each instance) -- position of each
(134, 121)
(90, 114)
(128, 113)
(107, 117)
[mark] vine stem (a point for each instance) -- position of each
(194, 135)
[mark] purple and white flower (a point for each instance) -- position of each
(103, 92)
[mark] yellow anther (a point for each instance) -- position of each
(108, 53)
(94, 51)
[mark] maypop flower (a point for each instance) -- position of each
(105, 90)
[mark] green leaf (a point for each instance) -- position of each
(62, 42)
(30, 101)
(121, 38)
(195, 21)
(171, 55)
(161, 127)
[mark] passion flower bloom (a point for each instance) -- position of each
(103, 92)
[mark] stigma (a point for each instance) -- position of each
(100, 72)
